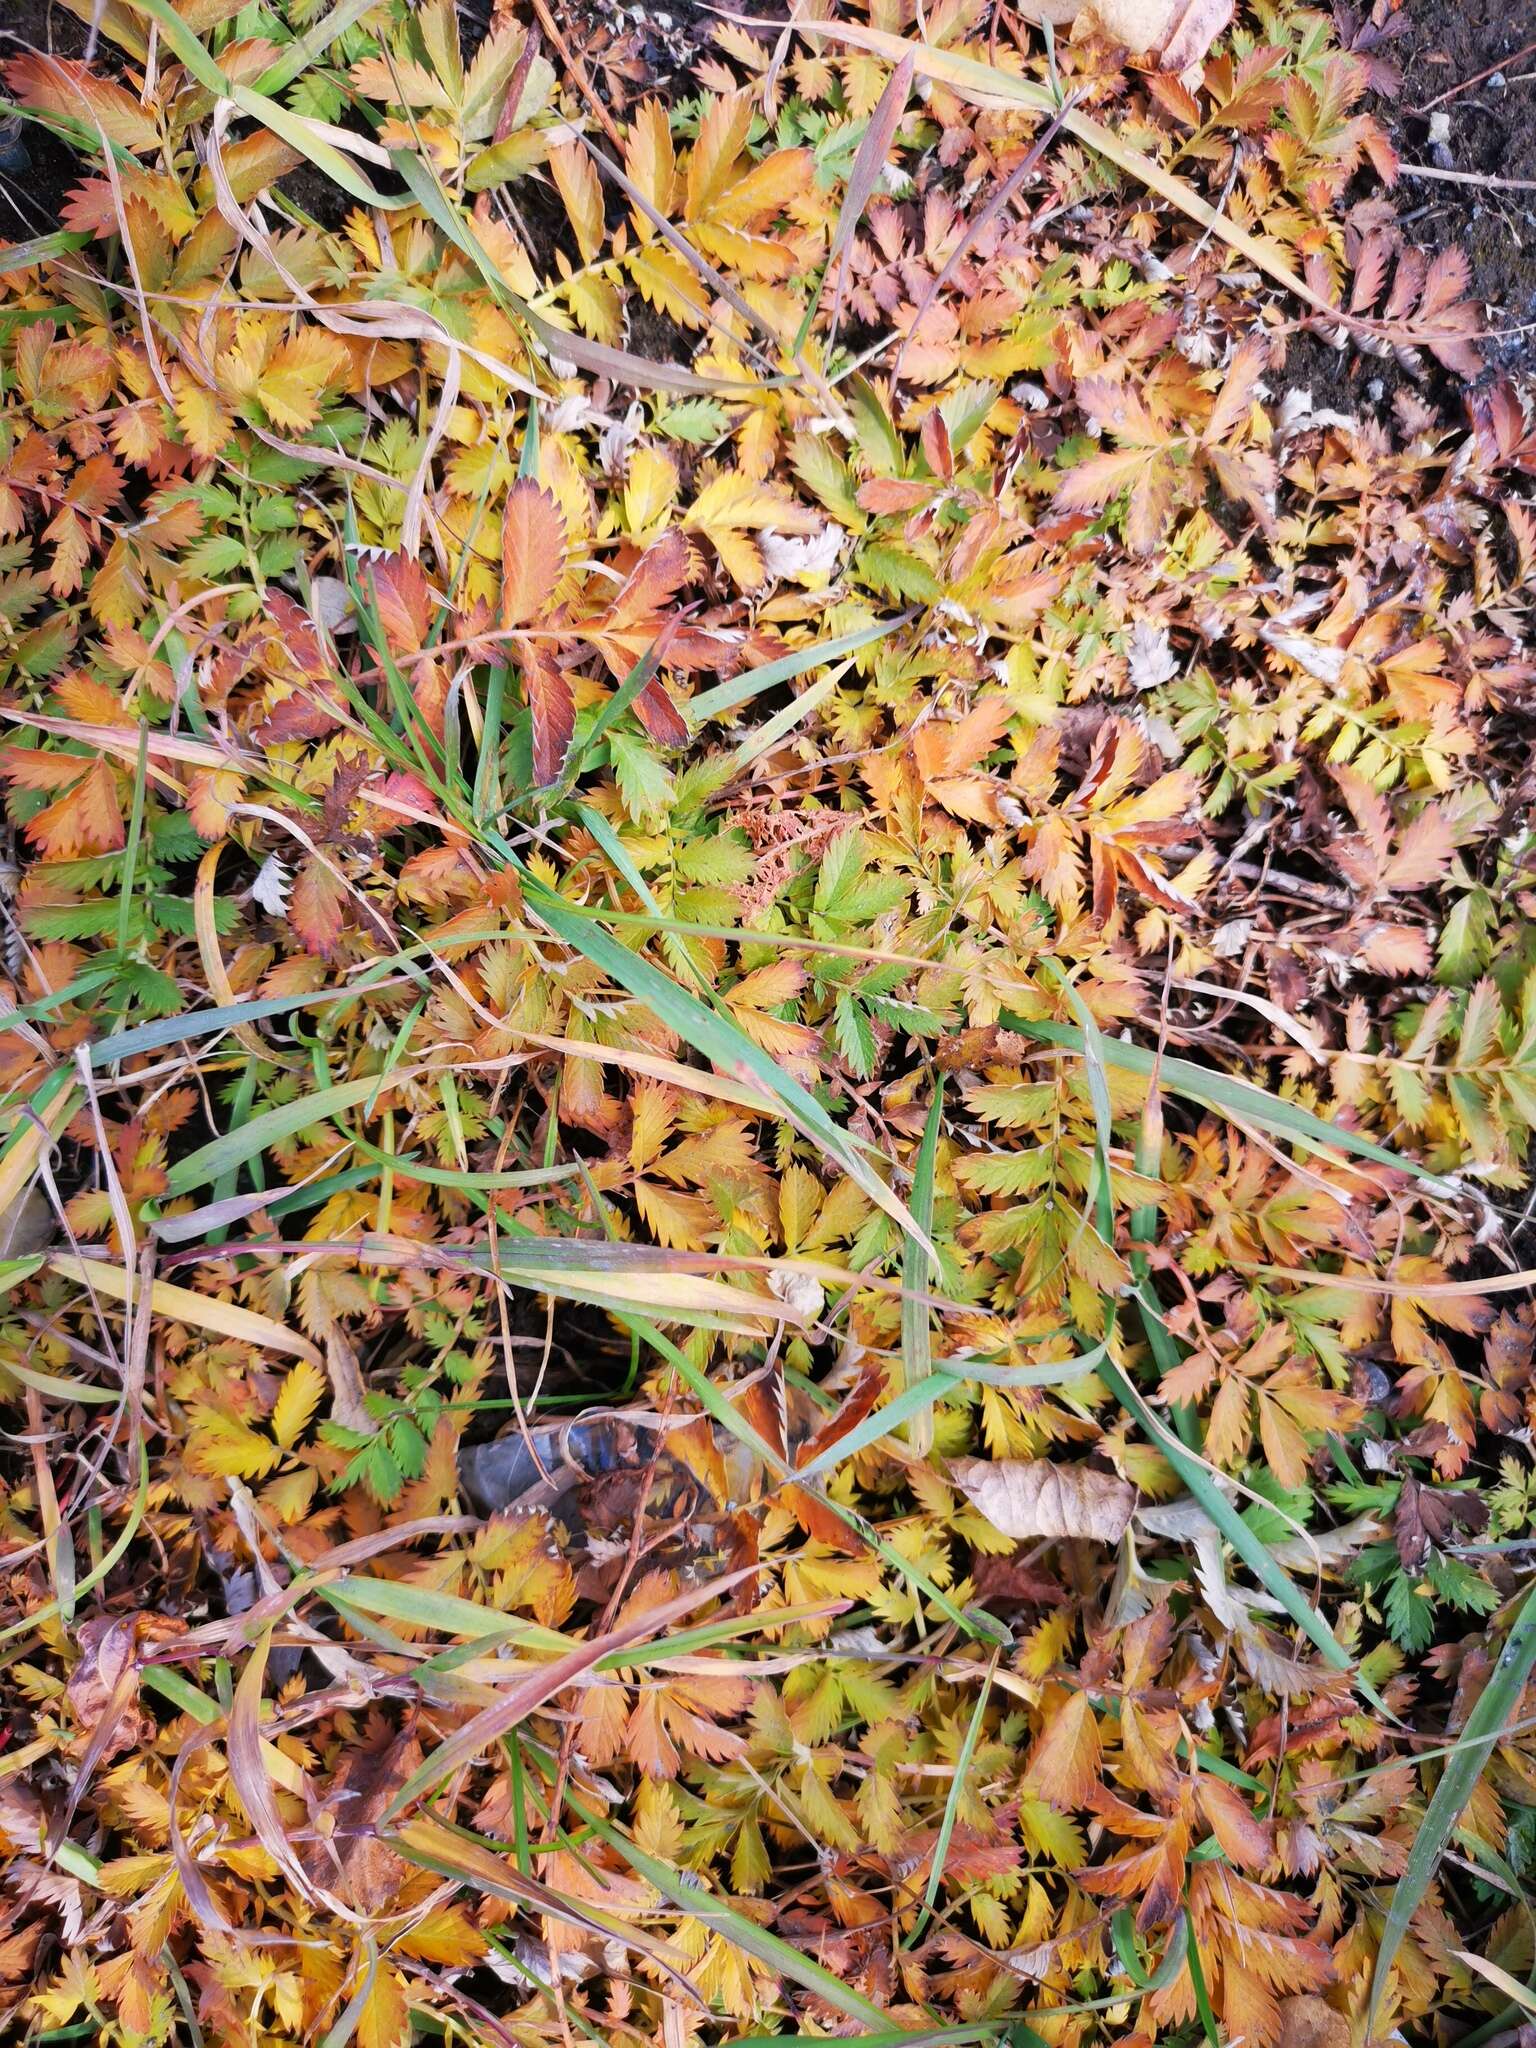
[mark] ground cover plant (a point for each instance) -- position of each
(769, 1038)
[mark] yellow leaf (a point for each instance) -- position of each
(447, 1935)
(290, 385)
(681, 1222)
(731, 504)
(651, 162)
(385, 2020)
(202, 419)
(297, 1402)
(740, 501)
(764, 190)
(722, 137)
(597, 307)
(649, 490)
(667, 281)
(224, 1444)
(578, 185)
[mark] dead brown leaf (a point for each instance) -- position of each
(1026, 1497)
(348, 1857)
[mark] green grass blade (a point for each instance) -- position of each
(952, 1809)
(1465, 1765)
(1221, 1092)
(912, 1405)
(224, 1154)
(723, 1043)
(723, 1918)
(916, 1336)
(1099, 1053)
(41, 249)
(728, 696)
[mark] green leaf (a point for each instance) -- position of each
(645, 781)
(855, 1034)
(695, 421)
(899, 574)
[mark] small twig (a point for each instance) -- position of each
(1290, 885)
(1469, 178)
(578, 71)
(1477, 78)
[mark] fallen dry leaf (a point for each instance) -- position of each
(1191, 32)
(350, 1859)
(1177, 32)
(1311, 2022)
(1033, 1497)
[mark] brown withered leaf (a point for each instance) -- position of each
(1033, 1497)
(1428, 1514)
(103, 1688)
(350, 1860)
(1311, 2022)
(1194, 28)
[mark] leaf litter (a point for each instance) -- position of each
(770, 1041)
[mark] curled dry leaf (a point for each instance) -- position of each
(1177, 32)
(1026, 1497)
(1311, 2022)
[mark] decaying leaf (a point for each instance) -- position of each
(1036, 1497)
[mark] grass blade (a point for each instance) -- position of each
(739, 690)
(916, 1345)
(182, 1305)
(983, 83)
(1221, 1092)
(535, 1688)
(223, 1154)
(720, 1041)
(1465, 1765)
(720, 1915)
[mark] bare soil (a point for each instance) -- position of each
(1445, 115)
(31, 195)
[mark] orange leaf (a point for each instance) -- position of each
(315, 907)
(532, 552)
(1064, 1763)
(86, 819)
(404, 602)
(62, 85)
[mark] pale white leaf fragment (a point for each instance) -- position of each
(1034, 1497)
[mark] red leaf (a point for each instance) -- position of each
(553, 705)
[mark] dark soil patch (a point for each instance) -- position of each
(1485, 126)
(32, 193)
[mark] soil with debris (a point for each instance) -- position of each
(35, 170)
(1456, 83)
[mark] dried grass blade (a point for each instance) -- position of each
(987, 84)
(182, 1305)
